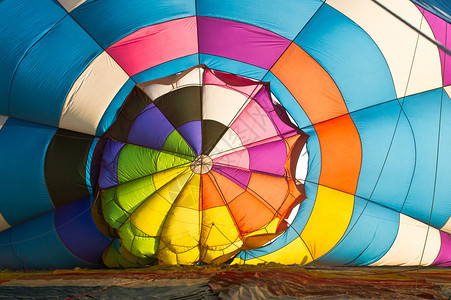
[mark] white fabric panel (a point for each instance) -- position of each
(302, 165)
(2, 120)
(397, 41)
(229, 142)
(155, 90)
(91, 94)
(408, 246)
(447, 226)
(221, 104)
(448, 90)
(3, 224)
(70, 5)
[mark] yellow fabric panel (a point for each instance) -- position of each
(207, 255)
(150, 216)
(295, 252)
(163, 177)
(328, 221)
(181, 229)
(270, 228)
(188, 257)
(218, 228)
(165, 255)
(189, 196)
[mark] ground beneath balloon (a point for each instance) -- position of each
(230, 282)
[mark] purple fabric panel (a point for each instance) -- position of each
(268, 158)
(78, 232)
(108, 167)
(150, 129)
(444, 256)
(239, 41)
(277, 116)
(192, 133)
(240, 177)
(443, 36)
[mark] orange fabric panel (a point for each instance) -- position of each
(210, 194)
(341, 154)
(309, 84)
(228, 189)
(249, 213)
(273, 191)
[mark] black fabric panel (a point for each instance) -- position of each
(135, 102)
(212, 131)
(181, 106)
(65, 166)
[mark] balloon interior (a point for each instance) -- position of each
(298, 132)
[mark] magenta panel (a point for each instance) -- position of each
(239, 41)
(444, 256)
(442, 33)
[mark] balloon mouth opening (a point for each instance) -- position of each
(176, 152)
(202, 164)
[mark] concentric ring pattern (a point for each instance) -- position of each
(111, 107)
(186, 182)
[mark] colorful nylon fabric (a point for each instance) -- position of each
(191, 132)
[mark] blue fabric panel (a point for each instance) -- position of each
(287, 100)
(370, 234)
(37, 245)
(167, 68)
(22, 182)
(111, 112)
(48, 71)
(286, 18)
(442, 205)
(423, 112)
(306, 207)
(350, 57)
(24, 24)
(232, 66)
(7, 258)
(89, 163)
(441, 8)
(120, 18)
(78, 232)
(388, 154)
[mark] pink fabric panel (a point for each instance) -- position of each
(239, 159)
(156, 44)
(253, 125)
(442, 33)
(232, 82)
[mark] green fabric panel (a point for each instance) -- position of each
(176, 144)
(136, 162)
(113, 259)
(65, 166)
(181, 106)
(131, 194)
(112, 212)
(137, 242)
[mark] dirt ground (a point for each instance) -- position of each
(230, 282)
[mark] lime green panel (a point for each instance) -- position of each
(137, 242)
(168, 161)
(133, 193)
(112, 212)
(113, 259)
(136, 162)
(176, 143)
